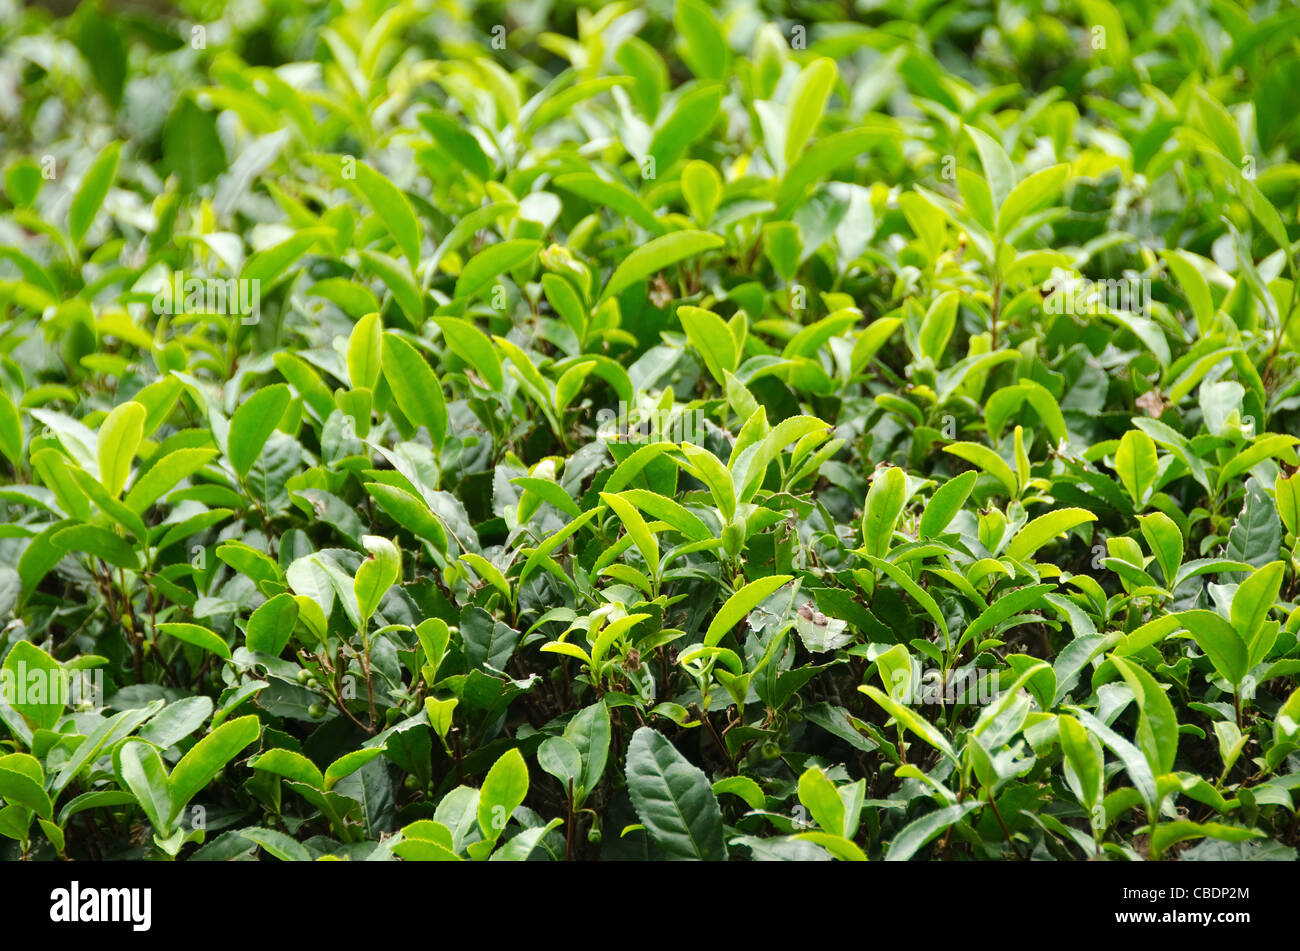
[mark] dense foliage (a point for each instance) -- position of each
(637, 431)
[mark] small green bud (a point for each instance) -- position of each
(733, 539)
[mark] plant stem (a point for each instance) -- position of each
(568, 830)
(1005, 831)
(996, 309)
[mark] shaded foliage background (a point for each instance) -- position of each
(631, 431)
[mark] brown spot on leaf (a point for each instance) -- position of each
(661, 294)
(1152, 402)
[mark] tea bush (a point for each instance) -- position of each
(626, 431)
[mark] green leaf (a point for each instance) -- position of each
(392, 208)
(636, 527)
(119, 439)
(945, 504)
(364, 352)
(702, 189)
(290, 765)
(673, 800)
(94, 188)
(112, 729)
(177, 721)
(1220, 642)
(895, 669)
(440, 714)
(693, 115)
(493, 261)
(1256, 535)
(1135, 763)
(22, 790)
(1043, 529)
(998, 170)
(589, 732)
(162, 476)
(1158, 726)
(1147, 635)
(740, 604)
(562, 760)
(709, 335)
(748, 791)
(397, 277)
(423, 850)
(884, 505)
(1031, 196)
(706, 467)
(914, 591)
(22, 182)
(276, 843)
(988, 460)
(349, 763)
(378, 572)
(843, 849)
(271, 625)
(807, 104)
(906, 718)
(41, 703)
(100, 39)
(458, 142)
(488, 643)
(140, 769)
(488, 572)
(1009, 399)
(1194, 286)
(1260, 208)
(266, 266)
(750, 466)
(610, 633)
(916, 834)
(192, 147)
(1254, 599)
(1263, 448)
(1165, 541)
(1136, 465)
(473, 346)
(938, 325)
(409, 511)
(1003, 607)
(1085, 759)
(823, 157)
(544, 550)
(99, 542)
(704, 48)
(521, 846)
(197, 635)
(208, 757)
(415, 387)
(253, 423)
(1171, 833)
(502, 793)
(434, 636)
(823, 801)
(657, 254)
(646, 66)
(666, 510)
(11, 431)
